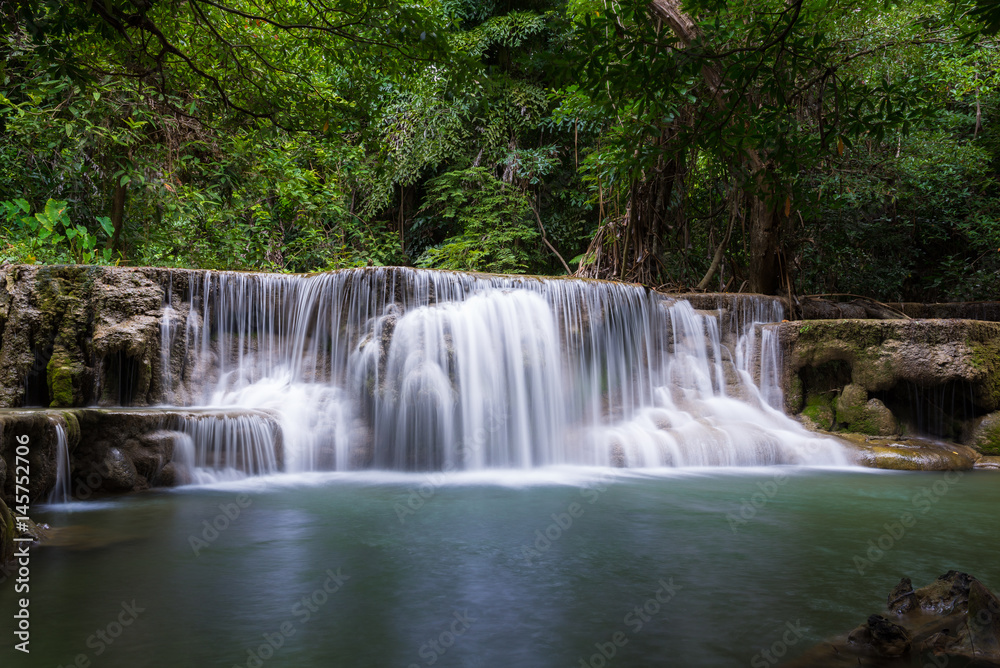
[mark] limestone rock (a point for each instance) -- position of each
(990, 463)
(908, 454)
(120, 474)
(863, 415)
(986, 434)
(881, 354)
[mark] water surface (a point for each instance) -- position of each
(719, 563)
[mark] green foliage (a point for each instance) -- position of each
(50, 236)
(388, 133)
(496, 231)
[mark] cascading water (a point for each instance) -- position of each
(407, 369)
(61, 492)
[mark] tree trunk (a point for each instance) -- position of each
(765, 265)
(762, 207)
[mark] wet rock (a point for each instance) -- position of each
(908, 454)
(902, 599)
(120, 473)
(73, 335)
(881, 354)
(983, 619)
(618, 457)
(818, 415)
(881, 637)
(989, 463)
(954, 621)
(986, 434)
(944, 594)
(38, 430)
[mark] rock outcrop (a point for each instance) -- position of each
(955, 620)
(82, 335)
(895, 377)
(114, 451)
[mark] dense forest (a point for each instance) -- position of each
(777, 146)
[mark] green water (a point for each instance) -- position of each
(467, 572)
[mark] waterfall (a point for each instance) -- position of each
(214, 447)
(414, 369)
(61, 492)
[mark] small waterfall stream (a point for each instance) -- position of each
(414, 370)
(61, 492)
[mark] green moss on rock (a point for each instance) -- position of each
(818, 416)
(62, 374)
(862, 415)
(986, 434)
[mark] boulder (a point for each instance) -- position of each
(908, 454)
(955, 620)
(880, 637)
(986, 434)
(862, 415)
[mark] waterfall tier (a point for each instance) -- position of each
(414, 370)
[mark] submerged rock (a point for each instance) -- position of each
(990, 463)
(954, 621)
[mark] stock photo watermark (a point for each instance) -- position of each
(789, 636)
(563, 521)
(301, 613)
(749, 507)
(22, 555)
(103, 638)
(634, 620)
(211, 529)
(438, 646)
(895, 530)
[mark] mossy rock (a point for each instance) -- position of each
(862, 415)
(795, 395)
(909, 454)
(881, 354)
(64, 376)
(986, 434)
(818, 417)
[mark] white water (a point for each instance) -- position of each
(409, 370)
(61, 492)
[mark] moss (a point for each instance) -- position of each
(61, 373)
(986, 435)
(72, 424)
(794, 395)
(984, 357)
(819, 415)
(862, 415)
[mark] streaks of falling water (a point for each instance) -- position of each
(61, 492)
(410, 369)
